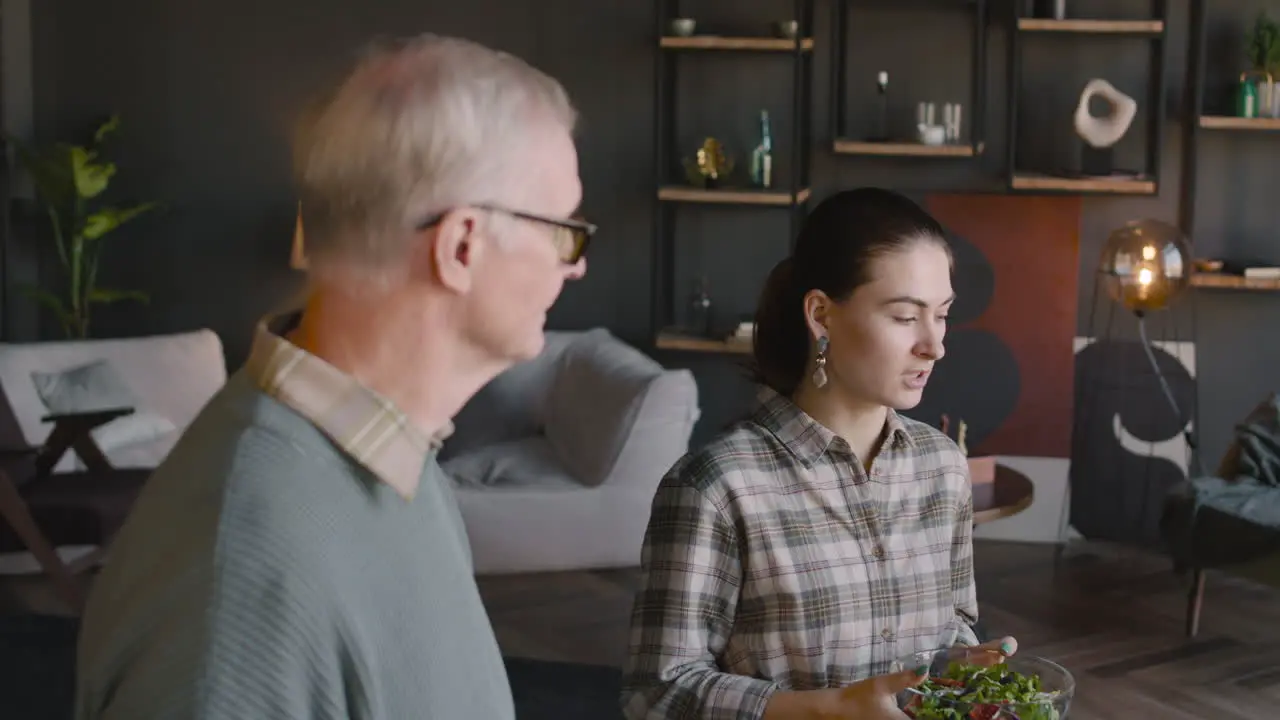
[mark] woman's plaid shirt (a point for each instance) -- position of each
(772, 561)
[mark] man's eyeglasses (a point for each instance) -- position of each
(570, 237)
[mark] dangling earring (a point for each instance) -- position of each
(820, 373)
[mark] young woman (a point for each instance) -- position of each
(791, 560)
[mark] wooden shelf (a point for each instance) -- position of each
(1092, 27)
(730, 196)
(1234, 282)
(1120, 186)
(909, 149)
(714, 42)
(674, 340)
(1227, 122)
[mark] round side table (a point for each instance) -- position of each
(1008, 494)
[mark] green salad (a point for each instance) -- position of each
(976, 692)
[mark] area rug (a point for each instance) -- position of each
(37, 677)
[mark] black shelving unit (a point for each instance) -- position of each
(1154, 31)
(1194, 93)
(672, 193)
(846, 143)
(1220, 120)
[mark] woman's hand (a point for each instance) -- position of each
(874, 698)
(871, 699)
(991, 653)
(877, 698)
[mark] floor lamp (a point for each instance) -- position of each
(1144, 266)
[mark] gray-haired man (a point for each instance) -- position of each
(299, 553)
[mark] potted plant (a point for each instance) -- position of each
(1258, 97)
(69, 182)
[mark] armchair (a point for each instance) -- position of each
(118, 406)
(1230, 519)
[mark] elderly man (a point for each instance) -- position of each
(299, 554)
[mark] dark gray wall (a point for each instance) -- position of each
(207, 92)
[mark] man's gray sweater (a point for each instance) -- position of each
(264, 573)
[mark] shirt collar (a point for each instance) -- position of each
(366, 425)
(809, 439)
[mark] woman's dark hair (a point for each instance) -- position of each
(833, 253)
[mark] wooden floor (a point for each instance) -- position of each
(1114, 617)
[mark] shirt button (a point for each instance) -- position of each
(879, 552)
(887, 634)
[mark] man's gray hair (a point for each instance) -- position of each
(420, 125)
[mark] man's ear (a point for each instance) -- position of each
(454, 251)
(817, 312)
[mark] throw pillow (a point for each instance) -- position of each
(97, 386)
(85, 388)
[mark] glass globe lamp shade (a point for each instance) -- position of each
(1145, 265)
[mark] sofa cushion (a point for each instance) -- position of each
(525, 462)
(599, 393)
(512, 406)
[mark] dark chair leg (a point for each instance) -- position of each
(1195, 599)
(13, 510)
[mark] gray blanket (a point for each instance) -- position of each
(1232, 517)
(1255, 456)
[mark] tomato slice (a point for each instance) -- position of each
(984, 712)
(948, 682)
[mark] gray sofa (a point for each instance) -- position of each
(555, 461)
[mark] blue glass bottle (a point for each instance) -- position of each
(762, 156)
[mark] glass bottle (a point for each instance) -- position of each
(700, 309)
(762, 156)
(880, 110)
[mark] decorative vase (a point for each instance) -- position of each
(1255, 93)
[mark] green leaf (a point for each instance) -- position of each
(55, 305)
(111, 125)
(104, 295)
(46, 298)
(50, 171)
(109, 218)
(1262, 43)
(91, 178)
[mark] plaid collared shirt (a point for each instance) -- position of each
(772, 561)
(360, 421)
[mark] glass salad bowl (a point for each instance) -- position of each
(976, 684)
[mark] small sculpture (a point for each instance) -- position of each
(683, 26)
(1100, 134)
(710, 165)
